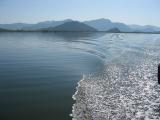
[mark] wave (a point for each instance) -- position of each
(126, 89)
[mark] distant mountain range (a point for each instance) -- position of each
(106, 24)
(146, 28)
(46, 24)
(71, 25)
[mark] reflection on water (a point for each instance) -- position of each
(39, 73)
(71, 37)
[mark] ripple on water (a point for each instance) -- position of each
(126, 89)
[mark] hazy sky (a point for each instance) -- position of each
(128, 11)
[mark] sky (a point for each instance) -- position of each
(141, 12)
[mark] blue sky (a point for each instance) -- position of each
(140, 12)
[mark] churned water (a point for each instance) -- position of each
(126, 89)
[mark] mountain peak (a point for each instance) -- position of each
(104, 20)
(73, 26)
(68, 20)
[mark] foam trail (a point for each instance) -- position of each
(126, 89)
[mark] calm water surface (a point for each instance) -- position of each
(39, 73)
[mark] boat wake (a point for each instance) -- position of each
(126, 89)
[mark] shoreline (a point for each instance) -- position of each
(30, 31)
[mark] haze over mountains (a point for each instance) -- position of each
(106, 24)
(71, 25)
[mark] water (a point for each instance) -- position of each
(126, 89)
(116, 76)
(39, 73)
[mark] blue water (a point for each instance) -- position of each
(39, 73)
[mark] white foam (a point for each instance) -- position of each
(127, 89)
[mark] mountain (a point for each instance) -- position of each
(106, 24)
(146, 28)
(2, 30)
(158, 32)
(114, 30)
(40, 25)
(98, 24)
(46, 24)
(72, 26)
(14, 26)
